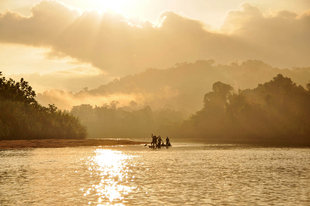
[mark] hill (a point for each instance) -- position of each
(179, 88)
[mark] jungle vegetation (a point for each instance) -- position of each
(22, 117)
(276, 112)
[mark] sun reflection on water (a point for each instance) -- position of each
(111, 167)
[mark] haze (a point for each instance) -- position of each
(154, 102)
(127, 37)
(150, 56)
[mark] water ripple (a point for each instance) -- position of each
(133, 175)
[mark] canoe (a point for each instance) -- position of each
(163, 145)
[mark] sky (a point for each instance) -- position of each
(210, 12)
(72, 44)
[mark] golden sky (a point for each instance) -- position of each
(98, 40)
(209, 11)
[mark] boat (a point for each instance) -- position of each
(158, 140)
(163, 145)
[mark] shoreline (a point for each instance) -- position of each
(60, 143)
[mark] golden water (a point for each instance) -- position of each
(134, 175)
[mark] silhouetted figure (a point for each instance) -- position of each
(159, 141)
(154, 141)
(168, 142)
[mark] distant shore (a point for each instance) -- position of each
(58, 143)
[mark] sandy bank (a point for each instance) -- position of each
(57, 143)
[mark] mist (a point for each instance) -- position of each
(179, 88)
(248, 102)
(154, 102)
(275, 112)
(272, 113)
(127, 78)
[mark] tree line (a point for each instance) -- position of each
(125, 122)
(22, 117)
(276, 112)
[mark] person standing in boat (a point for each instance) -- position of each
(159, 141)
(154, 140)
(167, 141)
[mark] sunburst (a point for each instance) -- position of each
(116, 6)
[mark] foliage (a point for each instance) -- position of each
(275, 112)
(21, 117)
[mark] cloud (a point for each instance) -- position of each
(111, 43)
(281, 38)
(48, 20)
(48, 72)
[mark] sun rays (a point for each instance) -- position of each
(114, 6)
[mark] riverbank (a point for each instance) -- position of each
(58, 143)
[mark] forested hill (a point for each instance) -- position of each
(182, 87)
(276, 112)
(21, 117)
(273, 113)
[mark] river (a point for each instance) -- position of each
(186, 174)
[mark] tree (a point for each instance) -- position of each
(276, 112)
(22, 117)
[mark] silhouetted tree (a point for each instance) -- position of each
(308, 87)
(21, 117)
(275, 112)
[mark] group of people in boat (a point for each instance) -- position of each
(158, 142)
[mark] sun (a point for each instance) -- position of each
(126, 8)
(116, 6)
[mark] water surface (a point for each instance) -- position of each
(135, 175)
